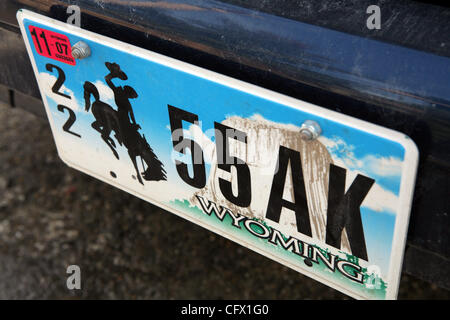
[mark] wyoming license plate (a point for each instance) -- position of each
(320, 192)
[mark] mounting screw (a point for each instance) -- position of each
(81, 50)
(310, 130)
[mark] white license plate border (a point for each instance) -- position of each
(411, 152)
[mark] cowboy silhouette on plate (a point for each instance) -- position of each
(124, 125)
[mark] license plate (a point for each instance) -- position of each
(325, 194)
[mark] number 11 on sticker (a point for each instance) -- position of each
(52, 45)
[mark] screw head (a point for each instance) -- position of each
(310, 130)
(81, 50)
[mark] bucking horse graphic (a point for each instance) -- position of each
(124, 125)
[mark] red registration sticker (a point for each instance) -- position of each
(52, 45)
